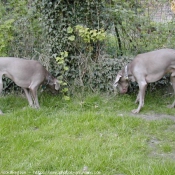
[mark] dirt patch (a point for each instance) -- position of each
(154, 116)
(159, 148)
(154, 143)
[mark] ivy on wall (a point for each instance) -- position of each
(75, 27)
(60, 16)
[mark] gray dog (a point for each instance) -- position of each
(28, 74)
(147, 68)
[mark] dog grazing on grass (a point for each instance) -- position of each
(147, 68)
(29, 75)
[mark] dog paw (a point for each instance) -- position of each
(1, 113)
(135, 111)
(170, 106)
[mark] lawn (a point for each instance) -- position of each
(90, 134)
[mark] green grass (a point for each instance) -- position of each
(92, 133)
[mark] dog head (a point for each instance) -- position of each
(122, 82)
(53, 84)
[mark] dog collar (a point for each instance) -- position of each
(126, 72)
(44, 85)
(48, 81)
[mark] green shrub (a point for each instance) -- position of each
(6, 35)
(99, 76)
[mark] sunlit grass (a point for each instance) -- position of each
(91, 133)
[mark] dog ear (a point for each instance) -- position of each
(117, 80)
(57, 85)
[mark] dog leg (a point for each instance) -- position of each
(141, 96)
(29, 98)
(1, 87)
(137, 99)
(172, 78)
(35, 96)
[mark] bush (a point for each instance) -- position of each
(99, 76)
(95, 75)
